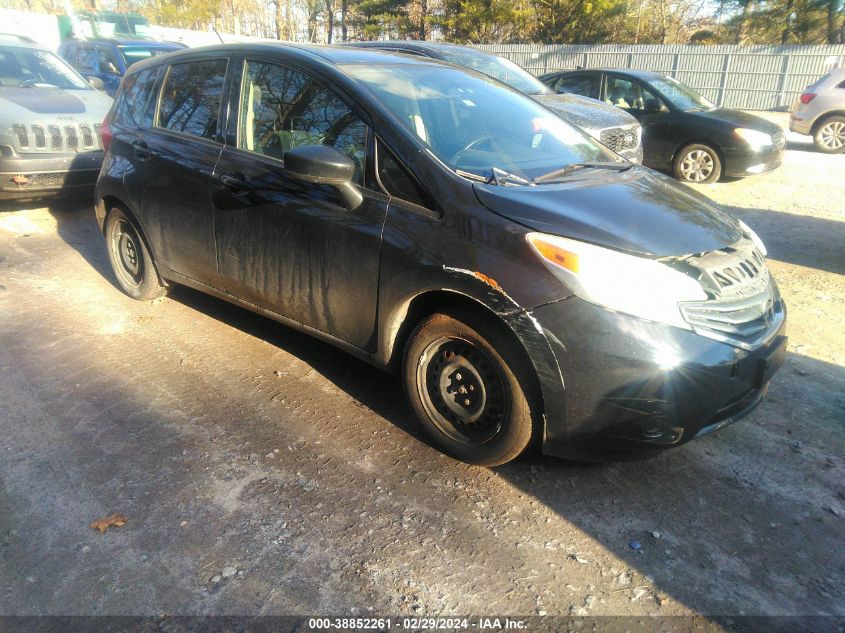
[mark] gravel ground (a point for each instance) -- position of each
(262, 472)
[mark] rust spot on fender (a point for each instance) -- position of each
(488, 280)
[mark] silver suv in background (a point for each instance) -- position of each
(609, 125)
(820, 112)
(49, 123)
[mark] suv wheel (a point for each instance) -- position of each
(133, 267)
(830, 135)
(698, 164)
(459, 381)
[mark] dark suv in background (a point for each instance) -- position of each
(107, 59)
(528, 285)
(682, 131)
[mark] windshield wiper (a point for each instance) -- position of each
(497, 177)
(501, 177)
(565, 171)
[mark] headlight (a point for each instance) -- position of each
(753, 237)
(637, 286)
(755, 139)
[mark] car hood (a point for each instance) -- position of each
(738, 118)
(21, 105)
(585, 112)
(637, 211)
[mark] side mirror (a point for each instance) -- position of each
(323, 165)
(96, 83)
(653, 105)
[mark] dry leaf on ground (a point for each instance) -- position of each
(115, 520)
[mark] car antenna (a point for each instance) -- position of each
(214, 28)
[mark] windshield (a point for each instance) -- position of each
(36, 68)
(680, 95)
(133, 54)
(499, 68)
(477, 126)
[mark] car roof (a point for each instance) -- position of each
(335, 55)
(128, 41)
(21, 41)
(421, 46)
(630, 72)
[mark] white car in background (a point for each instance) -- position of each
(820, 112)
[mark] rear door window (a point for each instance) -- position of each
(190, 98)
(587, 85)
(133, 107)
(282, 108)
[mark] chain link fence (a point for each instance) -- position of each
(745, 77)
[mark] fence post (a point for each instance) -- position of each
(784, 77)
(586, 56)
(723, 83)
(676, 62)
(630, 60)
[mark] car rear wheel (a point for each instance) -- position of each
(698, 164)
(465, 383)
(133, 267)
(830, 135)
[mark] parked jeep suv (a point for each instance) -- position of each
(528, 284)
(49, 123)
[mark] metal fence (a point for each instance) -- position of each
(746, 77)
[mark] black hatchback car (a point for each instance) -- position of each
(682, 131)
(527, 284)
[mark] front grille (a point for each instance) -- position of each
(742, 301)
(70, 137)
(57, 138)
(619, 138)
(23, 137)
(779, 140)
(736, 318)
(40, 139)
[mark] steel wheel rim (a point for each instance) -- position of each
(697, 165)
(833, 135)
(126, 251)
(462, 390)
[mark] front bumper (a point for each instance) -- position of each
(32, 176)
(632, 385)
(742, 162)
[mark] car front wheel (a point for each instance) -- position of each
(698, 164)
(466, 385)
(133, 267)
(830, 135)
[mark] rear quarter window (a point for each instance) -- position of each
(133, 107)
(190, 98)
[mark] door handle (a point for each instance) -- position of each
(141, 150)
(238, 184)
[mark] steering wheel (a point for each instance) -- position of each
(476, 141)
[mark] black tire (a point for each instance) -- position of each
(130, 260)
(697, 163)
(829, 135)
(446, 357)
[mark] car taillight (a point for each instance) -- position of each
(807, 97)
(105, 134)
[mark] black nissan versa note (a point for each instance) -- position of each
(528, 284)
